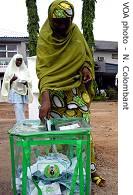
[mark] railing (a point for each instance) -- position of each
(111, 68)
(3, 64)
(3, 68)
(106, 67)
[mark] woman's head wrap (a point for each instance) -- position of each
(61, 9)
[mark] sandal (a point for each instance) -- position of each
(99, 181)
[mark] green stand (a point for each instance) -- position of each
(78, 138)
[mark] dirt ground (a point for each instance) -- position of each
(104, 131)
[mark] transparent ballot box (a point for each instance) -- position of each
(50, 158)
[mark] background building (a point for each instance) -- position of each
(106, 63)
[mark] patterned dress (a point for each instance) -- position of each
(73, 103)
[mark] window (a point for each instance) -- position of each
(2, 51)
(100, 58)
(12, 47)
(2, 54)
(11, 50)
(2, 47)
(11, 54)
(8, 50)
(114, 55)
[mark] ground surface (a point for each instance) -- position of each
(104, 125)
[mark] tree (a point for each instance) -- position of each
(88, 16)
(33, 26)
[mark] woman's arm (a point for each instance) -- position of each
(13, 79)
(86, 73)
(45, 108)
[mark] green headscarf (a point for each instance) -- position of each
(60, 60)
(61, 10)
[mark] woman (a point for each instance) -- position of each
(16, 87)
(64, 65)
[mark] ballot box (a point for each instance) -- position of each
(50, 157)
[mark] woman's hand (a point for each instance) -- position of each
(86, 74)
(13, 79)
(25, 83)
(45, 108)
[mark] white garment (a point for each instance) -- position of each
(19, 87)
(15, 98)
(19, 111)
(23, 75)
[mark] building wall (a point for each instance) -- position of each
(107, 56)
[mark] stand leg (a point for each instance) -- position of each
(88, 170)
(25, 163)
(81, 174)
(13, 164)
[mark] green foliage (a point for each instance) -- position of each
(112, 93)
(88, 16)
(95, 86)
(33, 26)
(100, 98)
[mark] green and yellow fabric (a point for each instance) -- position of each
(62, 10)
